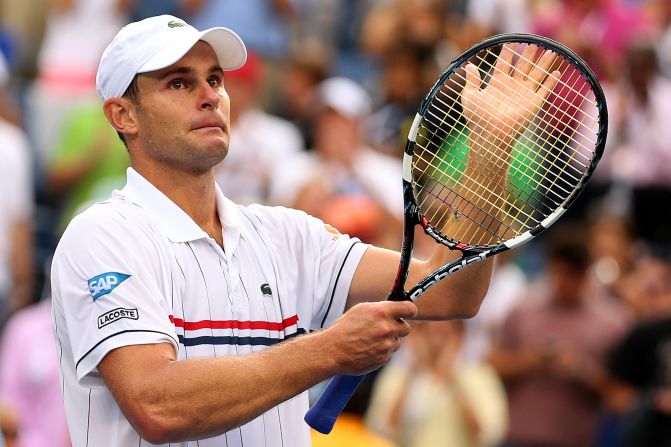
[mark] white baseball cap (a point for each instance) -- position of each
(158, 42)
(345, 96)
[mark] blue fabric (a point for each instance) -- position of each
(149, 8)
(254, 20)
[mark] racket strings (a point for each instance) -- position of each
(462, 133)
(549, 125)
(560, 131)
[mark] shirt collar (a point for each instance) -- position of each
(175, 223)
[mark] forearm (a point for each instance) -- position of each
(512, 364)
(167, 400)
(22, 264)
(199, 398)
(458, 296)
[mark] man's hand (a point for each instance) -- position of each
(368, 334)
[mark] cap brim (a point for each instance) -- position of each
(227, 45)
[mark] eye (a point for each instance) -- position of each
(176, 84)
(215, 81)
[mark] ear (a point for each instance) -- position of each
(121, 113)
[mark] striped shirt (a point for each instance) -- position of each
(136, 269)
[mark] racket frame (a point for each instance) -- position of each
(476, 253)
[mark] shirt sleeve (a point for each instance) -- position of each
(108, 281)
(336, 258)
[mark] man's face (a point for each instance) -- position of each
(183, 114)
(336, 136)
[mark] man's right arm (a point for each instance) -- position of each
(167, 400)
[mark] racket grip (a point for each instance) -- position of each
(325, 411)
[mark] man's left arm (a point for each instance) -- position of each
(458, 296)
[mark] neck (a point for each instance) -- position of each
(194, 193)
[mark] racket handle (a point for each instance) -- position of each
(325, 411)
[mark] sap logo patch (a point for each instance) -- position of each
(104, 283)
(116, 315)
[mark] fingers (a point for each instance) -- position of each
(549, 84)
(505, 60)
(472, 79)
(542, 67)
(525, 62)
(401, 309)
(369, 333)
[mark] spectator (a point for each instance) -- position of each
(641, 363)
(432, 397)
(641, 158)
(87, 163)
(16, 207)
(75, 36)
(598, 30)
(343, 181)
(551, 353)
(29, 378)
(141, 9)
(7, 426)
(401, 91)
(263, 25)
(509, 283)
(259, 141)
(303, 71)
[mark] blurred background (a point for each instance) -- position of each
(572, 346)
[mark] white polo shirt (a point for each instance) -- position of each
(136, 269)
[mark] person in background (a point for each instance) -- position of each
(8, 430)
(260, 142)
(641, 363)
(430, 395)
(343, 181)
(29, 378)
(551, 352)
(16, 214)
(303, 71)
(640, 160)
(76, 34)
(264, 24)
(87, 163)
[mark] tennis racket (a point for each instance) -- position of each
(501, 146)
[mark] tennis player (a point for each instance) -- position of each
(185, 319)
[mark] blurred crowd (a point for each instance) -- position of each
(572, 346)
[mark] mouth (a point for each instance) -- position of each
(210, 125)
(209, 128)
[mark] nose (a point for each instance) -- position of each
(210, 96)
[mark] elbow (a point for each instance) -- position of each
(154, 424)
(468, 306)
(468, 310)
(151, 427)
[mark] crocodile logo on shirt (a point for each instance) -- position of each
(105, 282)
(175, 24)
(266, 290)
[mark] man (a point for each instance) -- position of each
(335, 180)
(551, 352)
(16, 210)
(170, 301)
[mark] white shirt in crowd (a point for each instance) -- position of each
(16, 190)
